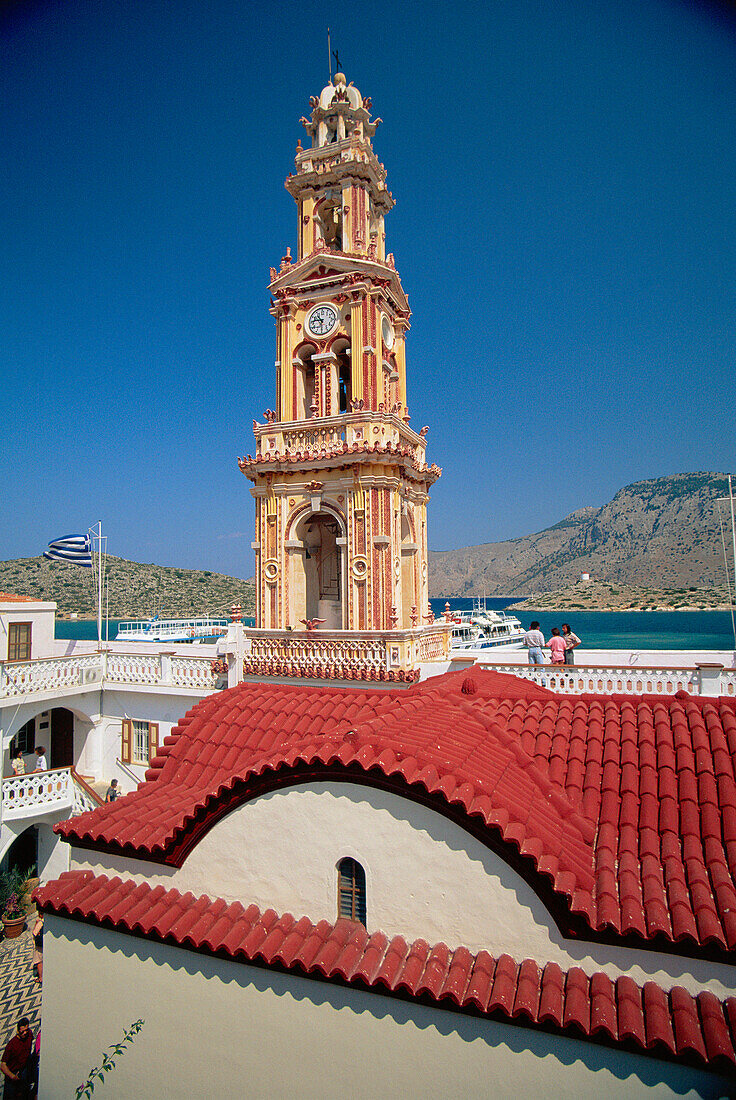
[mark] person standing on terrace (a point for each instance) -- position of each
(16, 1064)
(556, 646)
(41, 765)
(571, 642)
(534, 641)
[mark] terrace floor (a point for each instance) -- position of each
(20, 994)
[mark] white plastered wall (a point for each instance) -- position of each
(426, 878)
(218, 1028)
(41, 615)
(101, 749)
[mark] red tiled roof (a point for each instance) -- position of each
(621, 812)
(10, 597)
(700, 1029)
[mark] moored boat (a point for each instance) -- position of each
(201, 629)
(484, 628)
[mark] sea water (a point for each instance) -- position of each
(623, 629)
(597, 629)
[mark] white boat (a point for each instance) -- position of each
(483, 628)
(172, 630)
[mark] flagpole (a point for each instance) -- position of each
(733, 536)
(99, 583)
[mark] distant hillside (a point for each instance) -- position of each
(135, 590)
(662, 534)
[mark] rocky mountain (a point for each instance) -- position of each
(662, 533)
(135, 590)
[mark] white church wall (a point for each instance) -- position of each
(52, 853)
(426, 878)
(217, 1028)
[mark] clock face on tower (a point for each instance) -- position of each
(322, 320)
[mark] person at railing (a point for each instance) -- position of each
(571, 642)
(556, 647)
(534, 640)
(112, 791)
(41, 765)
(17, 762)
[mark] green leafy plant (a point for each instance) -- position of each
(97, 1073)
(11, 886)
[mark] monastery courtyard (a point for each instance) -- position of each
(20, 994)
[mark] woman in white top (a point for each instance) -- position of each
(41, 765)
(571, 642)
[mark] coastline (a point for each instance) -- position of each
(559, 607)
(598, 595)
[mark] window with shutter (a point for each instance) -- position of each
(351, 899)
(141, 741)
(19, 641)
(152, 740)
(25, 738)
(126, 740)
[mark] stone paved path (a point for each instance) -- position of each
(20, 994)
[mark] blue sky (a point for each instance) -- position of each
(565, 178)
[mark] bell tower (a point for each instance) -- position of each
(340, 479)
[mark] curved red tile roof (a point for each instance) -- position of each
(700, 1030)
(621, 812)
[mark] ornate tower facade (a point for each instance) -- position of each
(339, 477)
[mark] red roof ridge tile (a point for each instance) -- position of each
(700, 1029)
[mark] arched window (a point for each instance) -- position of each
(329, 219)
(351, 890)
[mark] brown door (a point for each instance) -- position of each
(62, 738)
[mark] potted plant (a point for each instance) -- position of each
(12, 909)
(14, 917)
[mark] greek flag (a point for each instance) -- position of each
(73, 548)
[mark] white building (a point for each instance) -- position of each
(98, 713)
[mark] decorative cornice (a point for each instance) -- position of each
(329, 670)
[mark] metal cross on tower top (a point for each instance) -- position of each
(330, 54)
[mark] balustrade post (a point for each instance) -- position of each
(235, 653)
(709, 678)
(165, 666)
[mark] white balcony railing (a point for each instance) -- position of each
(621, 680)
(334, 654)
(57, 791)
(85, 672)
(18, 678)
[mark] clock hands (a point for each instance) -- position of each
(322, 319)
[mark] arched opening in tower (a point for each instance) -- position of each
(329, 220)
(318, 583)
(408, 578)
(306, 388)
(344, 376)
